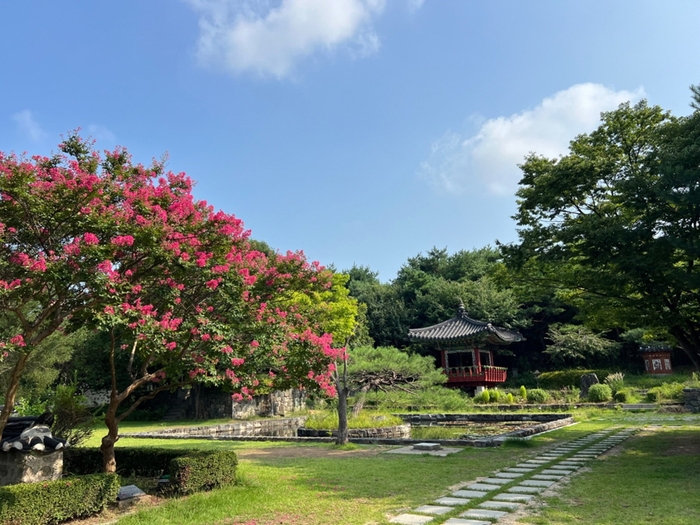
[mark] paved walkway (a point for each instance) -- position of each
(489, 500)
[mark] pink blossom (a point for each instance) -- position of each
(18, 340)
(90, 239)
(237, 361)
(226, 350)
(109, 310)
(171, 345)
(123, 240)
(213, 284)
(254, 344)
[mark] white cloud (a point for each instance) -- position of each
(415, 5)
(101, 134)
(270, 38)
(28, 125)
(491, 156)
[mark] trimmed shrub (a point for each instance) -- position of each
(565, 378)
(537, 395)
(202, 471)
(189, 470)
(495, 396)
(599, 393)
(510, 399)
(50, 502)
(523, 392)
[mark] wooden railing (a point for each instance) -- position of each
(488, 374)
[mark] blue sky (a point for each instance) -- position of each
(360, 131)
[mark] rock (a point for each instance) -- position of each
(587, 381)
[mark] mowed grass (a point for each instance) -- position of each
(655, 479)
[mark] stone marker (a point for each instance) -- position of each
(587, 381)
(129, 492)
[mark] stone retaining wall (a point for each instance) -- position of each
(395, 432)
(433, 419)
(691, 399)
(257, 427)
(30, 467)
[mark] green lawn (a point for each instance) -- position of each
(655, 479)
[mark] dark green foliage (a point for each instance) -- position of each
(537, 395)
(73, 419)
(189, 470)
(599, 393)
(613, 224)
(51, 502)
(667, 391)
(566, 378)
(625, 395)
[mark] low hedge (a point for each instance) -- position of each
(189, 470)
(50, 502)
(565, 378)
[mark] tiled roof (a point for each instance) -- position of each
(462, 328)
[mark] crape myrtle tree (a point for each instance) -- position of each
(103, 242)
(615, 224)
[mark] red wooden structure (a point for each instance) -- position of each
(466, 349)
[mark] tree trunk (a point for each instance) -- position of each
(685, 341)
(360, 403)
(109, 463)
(12, 390)
(342, 416)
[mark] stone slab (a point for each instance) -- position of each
(521, 470)
(433, 509)
(427, 446)
(469, 493)
(536, 483)
(129, 492)
(496, 481)
(548, 477)
(483, 513)
(509, 496)
(460, 521)
(410, 519)
(452, 502)
(525, 490)
(493, 504)
(410, 450)
(483, 486)
(556, 471)
(509, 475)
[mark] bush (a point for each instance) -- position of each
(189, 470)
(666, 391)
(523, 392)
(625, 395)
(566, 378)
(599, 393)
(51, 502)
(537, 395)
(615, 381)
(436, 398)
(510, 399)
(73, 419)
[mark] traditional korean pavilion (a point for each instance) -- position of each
(466, 349)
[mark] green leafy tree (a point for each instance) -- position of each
(614, 225)
(572, 344)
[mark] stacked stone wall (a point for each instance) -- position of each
(30, 467)
(691, 399)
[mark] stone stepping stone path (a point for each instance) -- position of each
(486, 500)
